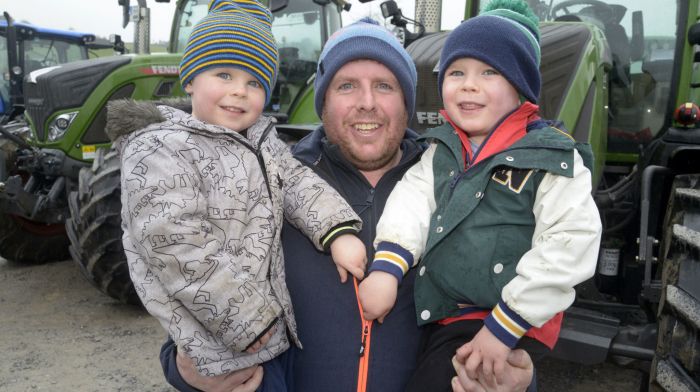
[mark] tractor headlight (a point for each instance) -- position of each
(59, 125)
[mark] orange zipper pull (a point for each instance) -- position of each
(365, 332)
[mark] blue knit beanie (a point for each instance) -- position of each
(361, 40)
(507, 37)
(235, 33)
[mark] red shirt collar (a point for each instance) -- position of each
(509, 131)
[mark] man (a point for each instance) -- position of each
(365, 94)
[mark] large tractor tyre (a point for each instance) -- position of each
(676, 365)
(94, 228)
(32, 242)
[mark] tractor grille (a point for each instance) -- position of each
(65, 87)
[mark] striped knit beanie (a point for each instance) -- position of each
(507, 37)
(235, 33)
(365, 40)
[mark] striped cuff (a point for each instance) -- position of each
(337, 231)
(392, 258)
(506, 325)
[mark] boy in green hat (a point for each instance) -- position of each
(498, 211)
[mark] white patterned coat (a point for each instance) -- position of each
(202, 227)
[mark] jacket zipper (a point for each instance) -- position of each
(258, 154)
(365, 341)
(365, 345)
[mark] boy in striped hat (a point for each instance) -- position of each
(498, 211)
(204, 197)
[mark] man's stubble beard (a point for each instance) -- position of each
(391, 147)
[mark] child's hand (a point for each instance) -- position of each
(487, 352)
(262, 341)
(349, 255)
(377, 295)
(517, 375)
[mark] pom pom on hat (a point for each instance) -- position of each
(235, 33)
(365, 40)
(507, 37)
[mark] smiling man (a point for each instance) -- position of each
(365, 94)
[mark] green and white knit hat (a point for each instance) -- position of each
(235, 33)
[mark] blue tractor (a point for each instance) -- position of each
(25, 48)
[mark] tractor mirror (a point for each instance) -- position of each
(389, 9)
(637, 40)
(694, 34)
(125, 12)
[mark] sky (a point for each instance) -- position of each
(104, 17)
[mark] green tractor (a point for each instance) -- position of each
(26, 49)
(621, 75)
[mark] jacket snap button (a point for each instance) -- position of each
(510, 158)
(425, 314)
(421, 271)
(564, 165)
(439, 217)
(452, 173)
(439, 229)
(478, 195)
(498, 268)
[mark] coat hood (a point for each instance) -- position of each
(125, 116)
(129, 117)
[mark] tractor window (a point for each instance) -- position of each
(192, 13)
(298, 32)
(641, 35)
(44, 52)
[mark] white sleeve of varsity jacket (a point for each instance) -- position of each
(564, 247)
(406, 217)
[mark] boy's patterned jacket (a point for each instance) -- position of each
(202, 211)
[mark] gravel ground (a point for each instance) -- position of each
(58, 333)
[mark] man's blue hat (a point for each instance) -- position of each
(365, 40)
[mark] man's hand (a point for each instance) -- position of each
(487, 353)
(349, 255)
(244, 380)
(516, 378)
(377, 295)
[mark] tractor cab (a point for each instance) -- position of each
(641, 37)
(636, 40)
(25, 48)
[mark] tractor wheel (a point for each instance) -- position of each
(94, 228)
(27, 241)
(676, 365)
